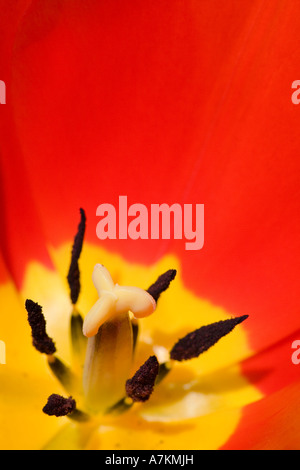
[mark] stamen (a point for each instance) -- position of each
(162, 284)
(120, 407)
(164, 369)
(74, 274)
(44, 344)
(78, 340)
(141, 385)
(40, 340)
(200, 340)
(64, 375)
(59, 406)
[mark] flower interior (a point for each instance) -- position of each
(104, 344)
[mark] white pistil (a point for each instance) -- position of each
(114, 300)
(108, 364)
(110, 340)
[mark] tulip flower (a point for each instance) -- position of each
(169, 103)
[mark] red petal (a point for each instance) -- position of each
(271, 423)
(273, 368)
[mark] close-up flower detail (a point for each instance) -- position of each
(101, 386)
(124, 331)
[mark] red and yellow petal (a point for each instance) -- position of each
(181, 103)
